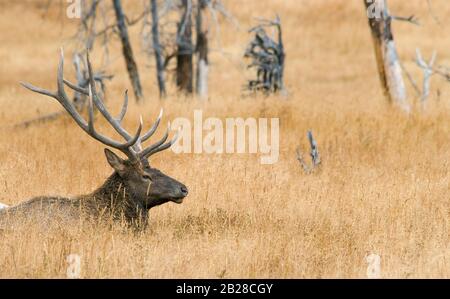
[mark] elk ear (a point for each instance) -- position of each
(115, 161)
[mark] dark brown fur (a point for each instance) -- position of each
(128, 194)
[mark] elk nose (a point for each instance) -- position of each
(184, 190)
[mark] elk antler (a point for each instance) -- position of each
(132, 147)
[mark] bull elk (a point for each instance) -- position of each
(134, 187)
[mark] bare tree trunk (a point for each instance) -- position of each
(127, 51)
(388, 63)
(185, 49)
(157, 49)
(202, 52)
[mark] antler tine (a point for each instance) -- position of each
(138, 146)
(123, 147)
(162, 147)
(124, 107)
(76, 87)
(38, 90)
(101, 107)
(60, 95)
(152, 130)
(145, 152)
(159, 145)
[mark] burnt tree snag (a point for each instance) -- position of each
(184, 71)
(128, 51)
(157, 49)
(388, 63)
(202, 51)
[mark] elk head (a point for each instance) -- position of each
(147, 185)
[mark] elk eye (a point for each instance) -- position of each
(147, 177)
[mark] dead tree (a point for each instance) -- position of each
(267, 57)
(388, 63)
(128, 51)
(93, 12)
(157, 48)
(175, 40)
(88, 20)
(97, 23)
(427, 68)
(184, 73)
(202, 50)
(159, 35)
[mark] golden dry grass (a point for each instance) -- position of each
(383, 187)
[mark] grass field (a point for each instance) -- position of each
(382, 188)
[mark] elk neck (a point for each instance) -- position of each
(114, 197)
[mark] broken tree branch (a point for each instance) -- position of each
(411, 19)
(127, 51)
(314, 154)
